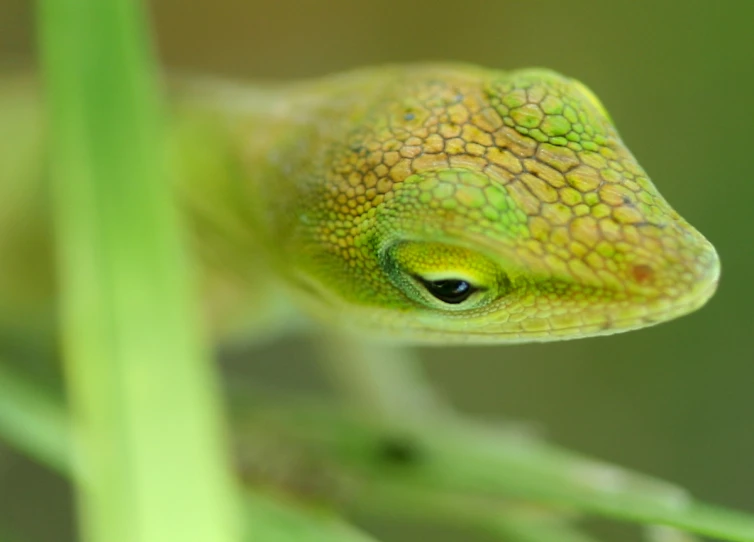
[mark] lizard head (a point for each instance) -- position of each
(500, 208)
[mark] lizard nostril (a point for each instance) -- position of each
(642, 273)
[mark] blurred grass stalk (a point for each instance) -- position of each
(149, 443)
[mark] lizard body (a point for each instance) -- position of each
(428, 204)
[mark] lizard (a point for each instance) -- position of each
(410, 204)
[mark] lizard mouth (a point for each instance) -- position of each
(591, 322)
(609, 318)
(595, 324)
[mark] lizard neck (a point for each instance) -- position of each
(239, 155)
(246, 156)
(218, 136)
(214, 128)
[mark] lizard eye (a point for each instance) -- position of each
(451, 291)
(443, 277)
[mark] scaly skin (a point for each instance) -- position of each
(369, 185)
(361, 191)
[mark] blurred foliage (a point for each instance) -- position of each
(144, 452)
(677, 78)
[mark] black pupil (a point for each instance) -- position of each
(451, 291)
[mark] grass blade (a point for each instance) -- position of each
(458, 458)
(31, 422)
(149, 441)
(46, 437)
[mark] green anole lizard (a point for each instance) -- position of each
(428, 204)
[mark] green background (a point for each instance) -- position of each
(678, 79)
